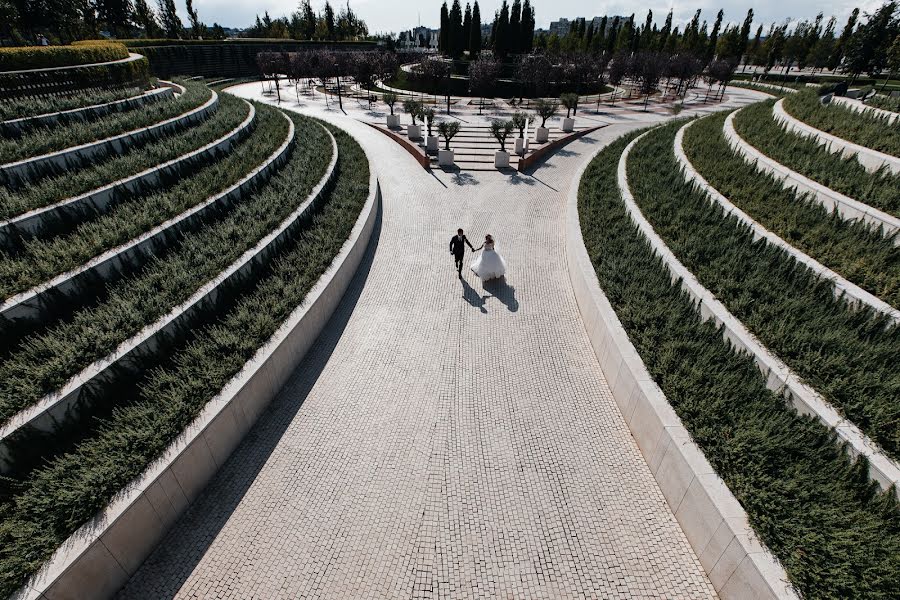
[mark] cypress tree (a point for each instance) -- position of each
(527, 36)
(196, 24)
(456, 30)
(664, 33)
(714, 36)
(835, 59)
(501, 36)
(475, 31)
(467, 28)
(171, 22)
(444, 35)
(146, 19)
(745, 31)
(117, 16)
(613, 34)
(515, 27)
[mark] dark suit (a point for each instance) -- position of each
(458, 248)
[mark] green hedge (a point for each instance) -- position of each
(836, 536)
(142, 43)
(132, 73)
(45, 57)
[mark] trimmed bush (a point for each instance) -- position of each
(21, 108)
(46, 57)
(40, 510)
(757, 127)
(848, 355)
(836, 536)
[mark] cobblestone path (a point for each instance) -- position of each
(444, 438)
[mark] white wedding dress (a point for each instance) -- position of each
(489, 265)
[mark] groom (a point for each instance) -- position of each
(458, 248)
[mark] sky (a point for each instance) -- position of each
(397, 15)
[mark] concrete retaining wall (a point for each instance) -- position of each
(530, 160)
(31, 168)
(64, 405)
(28, 304)
(100, 557)
(779, 377)
(872, 160)
(842, 287)
(14, 127)
(30, 223)
(715, 524)
(847, 207)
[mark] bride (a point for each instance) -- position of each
(489, 265)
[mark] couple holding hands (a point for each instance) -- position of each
(489, 265)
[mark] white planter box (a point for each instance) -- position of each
(431, 144)
(520, 146)
(568, 124)
(393, 121)
(413, 132)
(445, 158)
(541, 135)
(501, 159)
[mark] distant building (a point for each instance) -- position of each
(420, 37)
(561, 27)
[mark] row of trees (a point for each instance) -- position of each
(512, 31)
(305, 24)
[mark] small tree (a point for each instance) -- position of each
(519, 121)
(501, 130)
(448, 129)
(570, 101)
(390, 98)
(413, 108)
(545, 110)
(483, 75)
(428, 117)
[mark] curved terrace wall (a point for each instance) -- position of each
(34, 220)
(847, 207)
(872, 160)
(713, 521)
(55, 408)
(99, 558)
(779, 377)
(29, 168)
(28, 304)
(131, 71)
(858, 106)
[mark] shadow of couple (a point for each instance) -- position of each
(496, 288)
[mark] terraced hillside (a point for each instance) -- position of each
(765, 309)
(147, 252)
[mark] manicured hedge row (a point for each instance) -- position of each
(845, 175)
(62, 347)
(46, 57)
(43, 508)
(74, 182)
(836, 536)
(847, 355)
(278, 42)
(41, 259)
(849, 248)
(867, 130)
(127, 73)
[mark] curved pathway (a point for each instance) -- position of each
(444, 438)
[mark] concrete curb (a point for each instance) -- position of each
(414, 151)
(779, 377)
(30, 168)
(31, 222)
(16, 126)
(100, 557)
(842, 287)
(846, 206)
(64, 404)
(872, 160)
(530, 160)
(713, 521)
(28, 304)
(865, 109)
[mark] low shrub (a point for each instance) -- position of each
(41, 511)
(885, 102)
(867, 130)
(836, 536)
(40, 259)
(847, 355)
(45, 57)
(756, 126)
(21, 108)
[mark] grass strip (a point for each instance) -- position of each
(756, 125)
(42, 259)
(848, 355)
(43, 140)
(871, 131)
(47, 507)
(74, 182)
(20, 108)
(49, 358)
(861, 255)
(836, 536)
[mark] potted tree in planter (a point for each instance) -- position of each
(501, 130)
(414, 109)
(544, 110)
(431, 142)
(520, 122)
(570, 101)
(447, 129)
(393, 121)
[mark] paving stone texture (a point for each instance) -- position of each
(444, 438)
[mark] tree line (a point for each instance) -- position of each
(305, 24)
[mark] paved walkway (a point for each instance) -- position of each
(444, 438)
